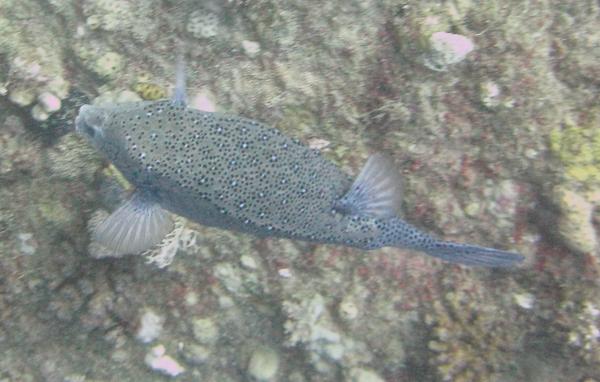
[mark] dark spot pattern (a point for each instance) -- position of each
(236, 173)
(233, 173)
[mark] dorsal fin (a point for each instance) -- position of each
(180, 95)
(376, 192)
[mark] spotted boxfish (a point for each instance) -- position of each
(238, 174)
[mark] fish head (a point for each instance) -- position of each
(120, 132)
(99, 126)
(91, 123)
(103, 127)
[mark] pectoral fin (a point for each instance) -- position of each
(136, 226)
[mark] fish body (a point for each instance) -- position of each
(239, 174)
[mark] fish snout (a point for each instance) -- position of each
(89, 121)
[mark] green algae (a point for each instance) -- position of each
(574, 224)
(147, 88)
(150, 91)
(578, 148)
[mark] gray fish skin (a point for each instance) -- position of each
(238, 174)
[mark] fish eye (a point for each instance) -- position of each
(88, 130)
(89, 121)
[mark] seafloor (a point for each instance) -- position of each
(489, 108)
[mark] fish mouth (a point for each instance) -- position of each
(89, 121)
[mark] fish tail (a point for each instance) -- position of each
(403, 235)
(472, 255)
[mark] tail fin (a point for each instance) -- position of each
(472, 255)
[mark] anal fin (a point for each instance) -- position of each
(136, 226)
(376, 191)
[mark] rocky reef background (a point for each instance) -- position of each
(490, 110)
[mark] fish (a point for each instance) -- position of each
(239, 174)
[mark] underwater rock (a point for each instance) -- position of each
(203, 24)
(31, 56)
(583, 337)
(501, 201)
(363, 375)
(524, 300)
(196, 354)
(109, 64)
(248, 262)
(27, 244)
(575, 54)
(17, 153)
(490, 93)
(130, 18)
(251, 48)
(151, 325)
(263, 365)
(310, 324)
(577, 147)
(39, 114)
(21, 96)
(99, 311)
(110, 97)
(446, 49)
(66, 303)
(575, 221)
(49, 102)
(157, 360)
(205, 331)
(230, 276)
(468, 322)
(347, 309)
(69, 159)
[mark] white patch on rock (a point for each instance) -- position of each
(263, 365)
(157, 360)
(286, 273)
(248, 262)
(151, 325)
(446, 49)
(38, 113)
(348, 309)
(251, 48)
(524, 300)
(27, 245)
